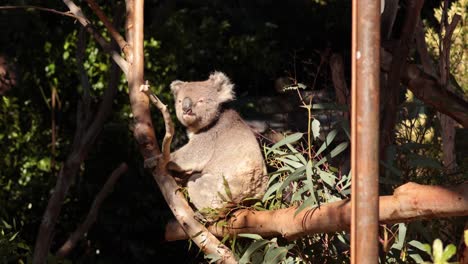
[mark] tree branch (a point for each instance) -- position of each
(83, 140)
(68, 246)
(124, 46)
(68, 14)
(76, 11)
(410, 202)
(427, 89)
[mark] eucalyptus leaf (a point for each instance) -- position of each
(275, 255)
(296, 175)
(245, 259)
(287, 140)
(328, 140)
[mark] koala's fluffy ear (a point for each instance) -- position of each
(224, 86)
(175, 86)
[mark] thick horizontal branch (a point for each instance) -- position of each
(408, 203)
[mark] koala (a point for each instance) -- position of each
(221, 147)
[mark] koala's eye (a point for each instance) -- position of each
(200, 100)
(180, 101)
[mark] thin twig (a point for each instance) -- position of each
(166, 145)
(124, 46)
(74, 9)
(67, 247)
(68, 13)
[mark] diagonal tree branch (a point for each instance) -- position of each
(68, 246)
(76, 11)
(84, 138)
(124, 46)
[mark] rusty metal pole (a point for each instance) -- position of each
(365, 131)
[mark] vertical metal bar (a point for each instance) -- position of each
(365, 131)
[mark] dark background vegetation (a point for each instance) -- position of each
(255, 42)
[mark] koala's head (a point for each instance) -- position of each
(198, 104)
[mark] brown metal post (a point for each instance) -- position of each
(365, 131)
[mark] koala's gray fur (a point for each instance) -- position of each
(220, 145)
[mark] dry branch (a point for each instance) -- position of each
(68, 246)
(124, 46)
(85, 137)
(40, 9)
(409, 202)
(76, 11)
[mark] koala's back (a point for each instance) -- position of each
(236, 157)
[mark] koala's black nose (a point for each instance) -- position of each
(186, 104)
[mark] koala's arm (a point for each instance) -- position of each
(192, 157)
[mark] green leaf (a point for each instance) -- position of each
(275, 255)
(298, 174)
(251, 236)
(227, 189)
(245, 259)
(292, 163)
(437, 250)
(6, 225)
(13, 236)
(310, 202)
(423, 247)
(270, 191)
(449, 252)
(338, 149)
(465, 234)
(287, 140)
(416, 257)
(330, 137)
(44, 164)
(23, 246)
(327, 177)
(401, 236)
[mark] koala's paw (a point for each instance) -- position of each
(152, 162)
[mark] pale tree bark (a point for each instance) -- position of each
(409, 202)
